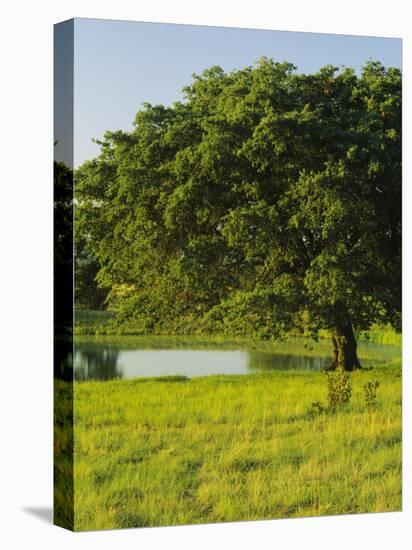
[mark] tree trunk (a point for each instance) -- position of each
(344, 348)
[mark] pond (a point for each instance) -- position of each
(100, 358)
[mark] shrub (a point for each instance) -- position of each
(369, 391)
(316, 408)
(339, 388)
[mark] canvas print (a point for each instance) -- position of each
(227, 274)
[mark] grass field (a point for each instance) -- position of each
(223, 448)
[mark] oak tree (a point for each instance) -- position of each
(265, 201)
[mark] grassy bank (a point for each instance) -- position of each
(103, 323)
(95, 322)
(224, 448)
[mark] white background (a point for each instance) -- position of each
(26, 273)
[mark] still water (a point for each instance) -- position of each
(101, 359)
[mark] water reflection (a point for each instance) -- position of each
(104, 363)
(63, 359)
(125, 357)
(260, 361)
(97, 364)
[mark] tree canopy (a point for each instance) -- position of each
(266, 200)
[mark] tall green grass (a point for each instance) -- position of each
(382, 335)
(224, 448)
(94, 322)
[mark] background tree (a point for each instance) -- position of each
(265, 201)
(87, 292)
(63, 249)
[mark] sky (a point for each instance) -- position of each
(118, 65)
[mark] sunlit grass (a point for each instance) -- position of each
(224, 448)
